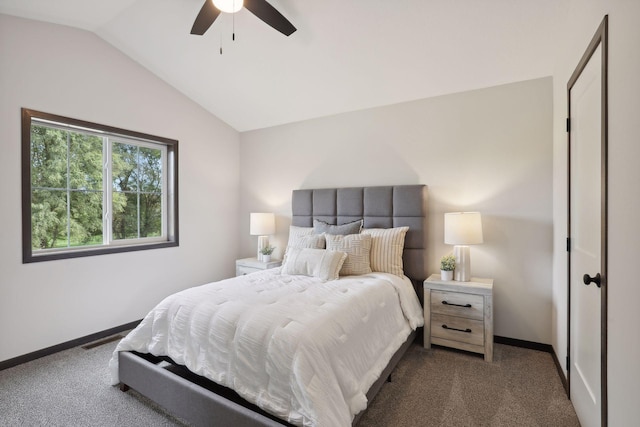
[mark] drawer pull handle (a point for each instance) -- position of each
(457, 305)
(456, 329)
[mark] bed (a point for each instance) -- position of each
(278, 347)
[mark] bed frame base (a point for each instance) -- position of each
(201, 402)
(185, 395)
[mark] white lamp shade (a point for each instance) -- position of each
(228, 6)
(262, 224)
(462, 228)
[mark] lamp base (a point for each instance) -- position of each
(263, 242)
(462, 271)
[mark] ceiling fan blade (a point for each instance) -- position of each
(270, 16)
(205, 18)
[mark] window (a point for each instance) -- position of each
(90, 189)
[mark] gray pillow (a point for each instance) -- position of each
(320, 227)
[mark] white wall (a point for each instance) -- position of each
(488, 150)
(584, 17)
(73, 73)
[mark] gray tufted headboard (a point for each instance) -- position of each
(380, 207)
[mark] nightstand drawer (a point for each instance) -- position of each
(457, 304)
(465, 309)
(457, 329)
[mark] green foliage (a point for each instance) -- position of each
(66, 180)
(48, 218)
(67, 189)
(448, 263)
(267, 250)
(137, 191)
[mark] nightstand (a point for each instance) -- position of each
(459, 314)
(251, 265)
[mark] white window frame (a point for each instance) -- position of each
(107, 226)
(109, 135)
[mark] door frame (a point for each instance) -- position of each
(600, 39)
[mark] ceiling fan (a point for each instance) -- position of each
(260, 8)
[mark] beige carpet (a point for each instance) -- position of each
(442, 387)
(436, 387)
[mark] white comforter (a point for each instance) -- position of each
(301, 349)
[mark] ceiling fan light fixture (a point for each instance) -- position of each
(228, 6)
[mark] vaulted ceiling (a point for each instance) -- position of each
(346, 54)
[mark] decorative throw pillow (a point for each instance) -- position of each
(320, 227)
(319, 263)
(295, 232)
(312, 241)
(302, 237)
(357, 248)
(387, 245)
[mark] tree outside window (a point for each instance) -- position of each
(89, 189)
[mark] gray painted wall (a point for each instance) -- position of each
(488, 150)
(73, 73)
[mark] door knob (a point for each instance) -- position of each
(588, 279)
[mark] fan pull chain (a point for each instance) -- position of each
(233, 28)
(233, 23)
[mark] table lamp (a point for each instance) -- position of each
(262, 225)
(462, 229)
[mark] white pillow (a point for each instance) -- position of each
(319, 263)
(387, 245)
(303, 237)
(295, 231)
(357, 247)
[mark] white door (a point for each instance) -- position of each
(585, 231)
